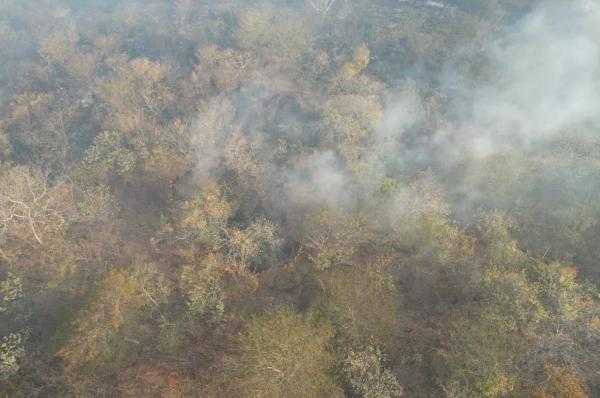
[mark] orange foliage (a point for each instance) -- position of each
(562, 383)
(150, 382)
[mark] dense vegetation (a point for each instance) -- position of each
(321, 198)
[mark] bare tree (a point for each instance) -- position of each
(322, 7)
(25, 200)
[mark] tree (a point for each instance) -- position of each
(11, 351)
(122, 296)
(108, 156)
(221, 68)
(205, 217)
(360, 60)
(97, 204)
(203, 289)
(5, 146)
(143, 110)
(284, 354)
(363, 306)
(253, 247)
(38, 125)
(334, 237)
(322, 7)
(351, 119)
(27, 202)
(417, 219)
(276, 34)
(240, 154)
(60, 46)
(11, 290)
(481, 361)
(12, 348)
(528, 313)
(154, 382)
(366, 376)
(561, 383)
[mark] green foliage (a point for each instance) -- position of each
(5, 147)
(279, 33)
(526, 305)
(109, 156)
(558, 225)
(501, 248)
(516, 304)
(98, 204)
(385, 189)
(284, 354)
(11, 351)
(203, 289)
(205, 216)
(333, 158)
(352, 119)
(335, 237)
(11, 290)
(367, 377)
(364, 306)
(419, 219)
(481, 362)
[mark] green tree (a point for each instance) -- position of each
(108, 156)
(97, 204)
(12, 349)
(280, 34)
(11, 290)
(352, 119)
(367, 377)
(363, 305)
(11, 352)
(205, 217)
(203, 288)
(334, 237)
(284, 354)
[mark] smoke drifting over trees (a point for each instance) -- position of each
(299, 198)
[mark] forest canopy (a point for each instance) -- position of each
(316, 198)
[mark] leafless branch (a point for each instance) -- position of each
(322, 7)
